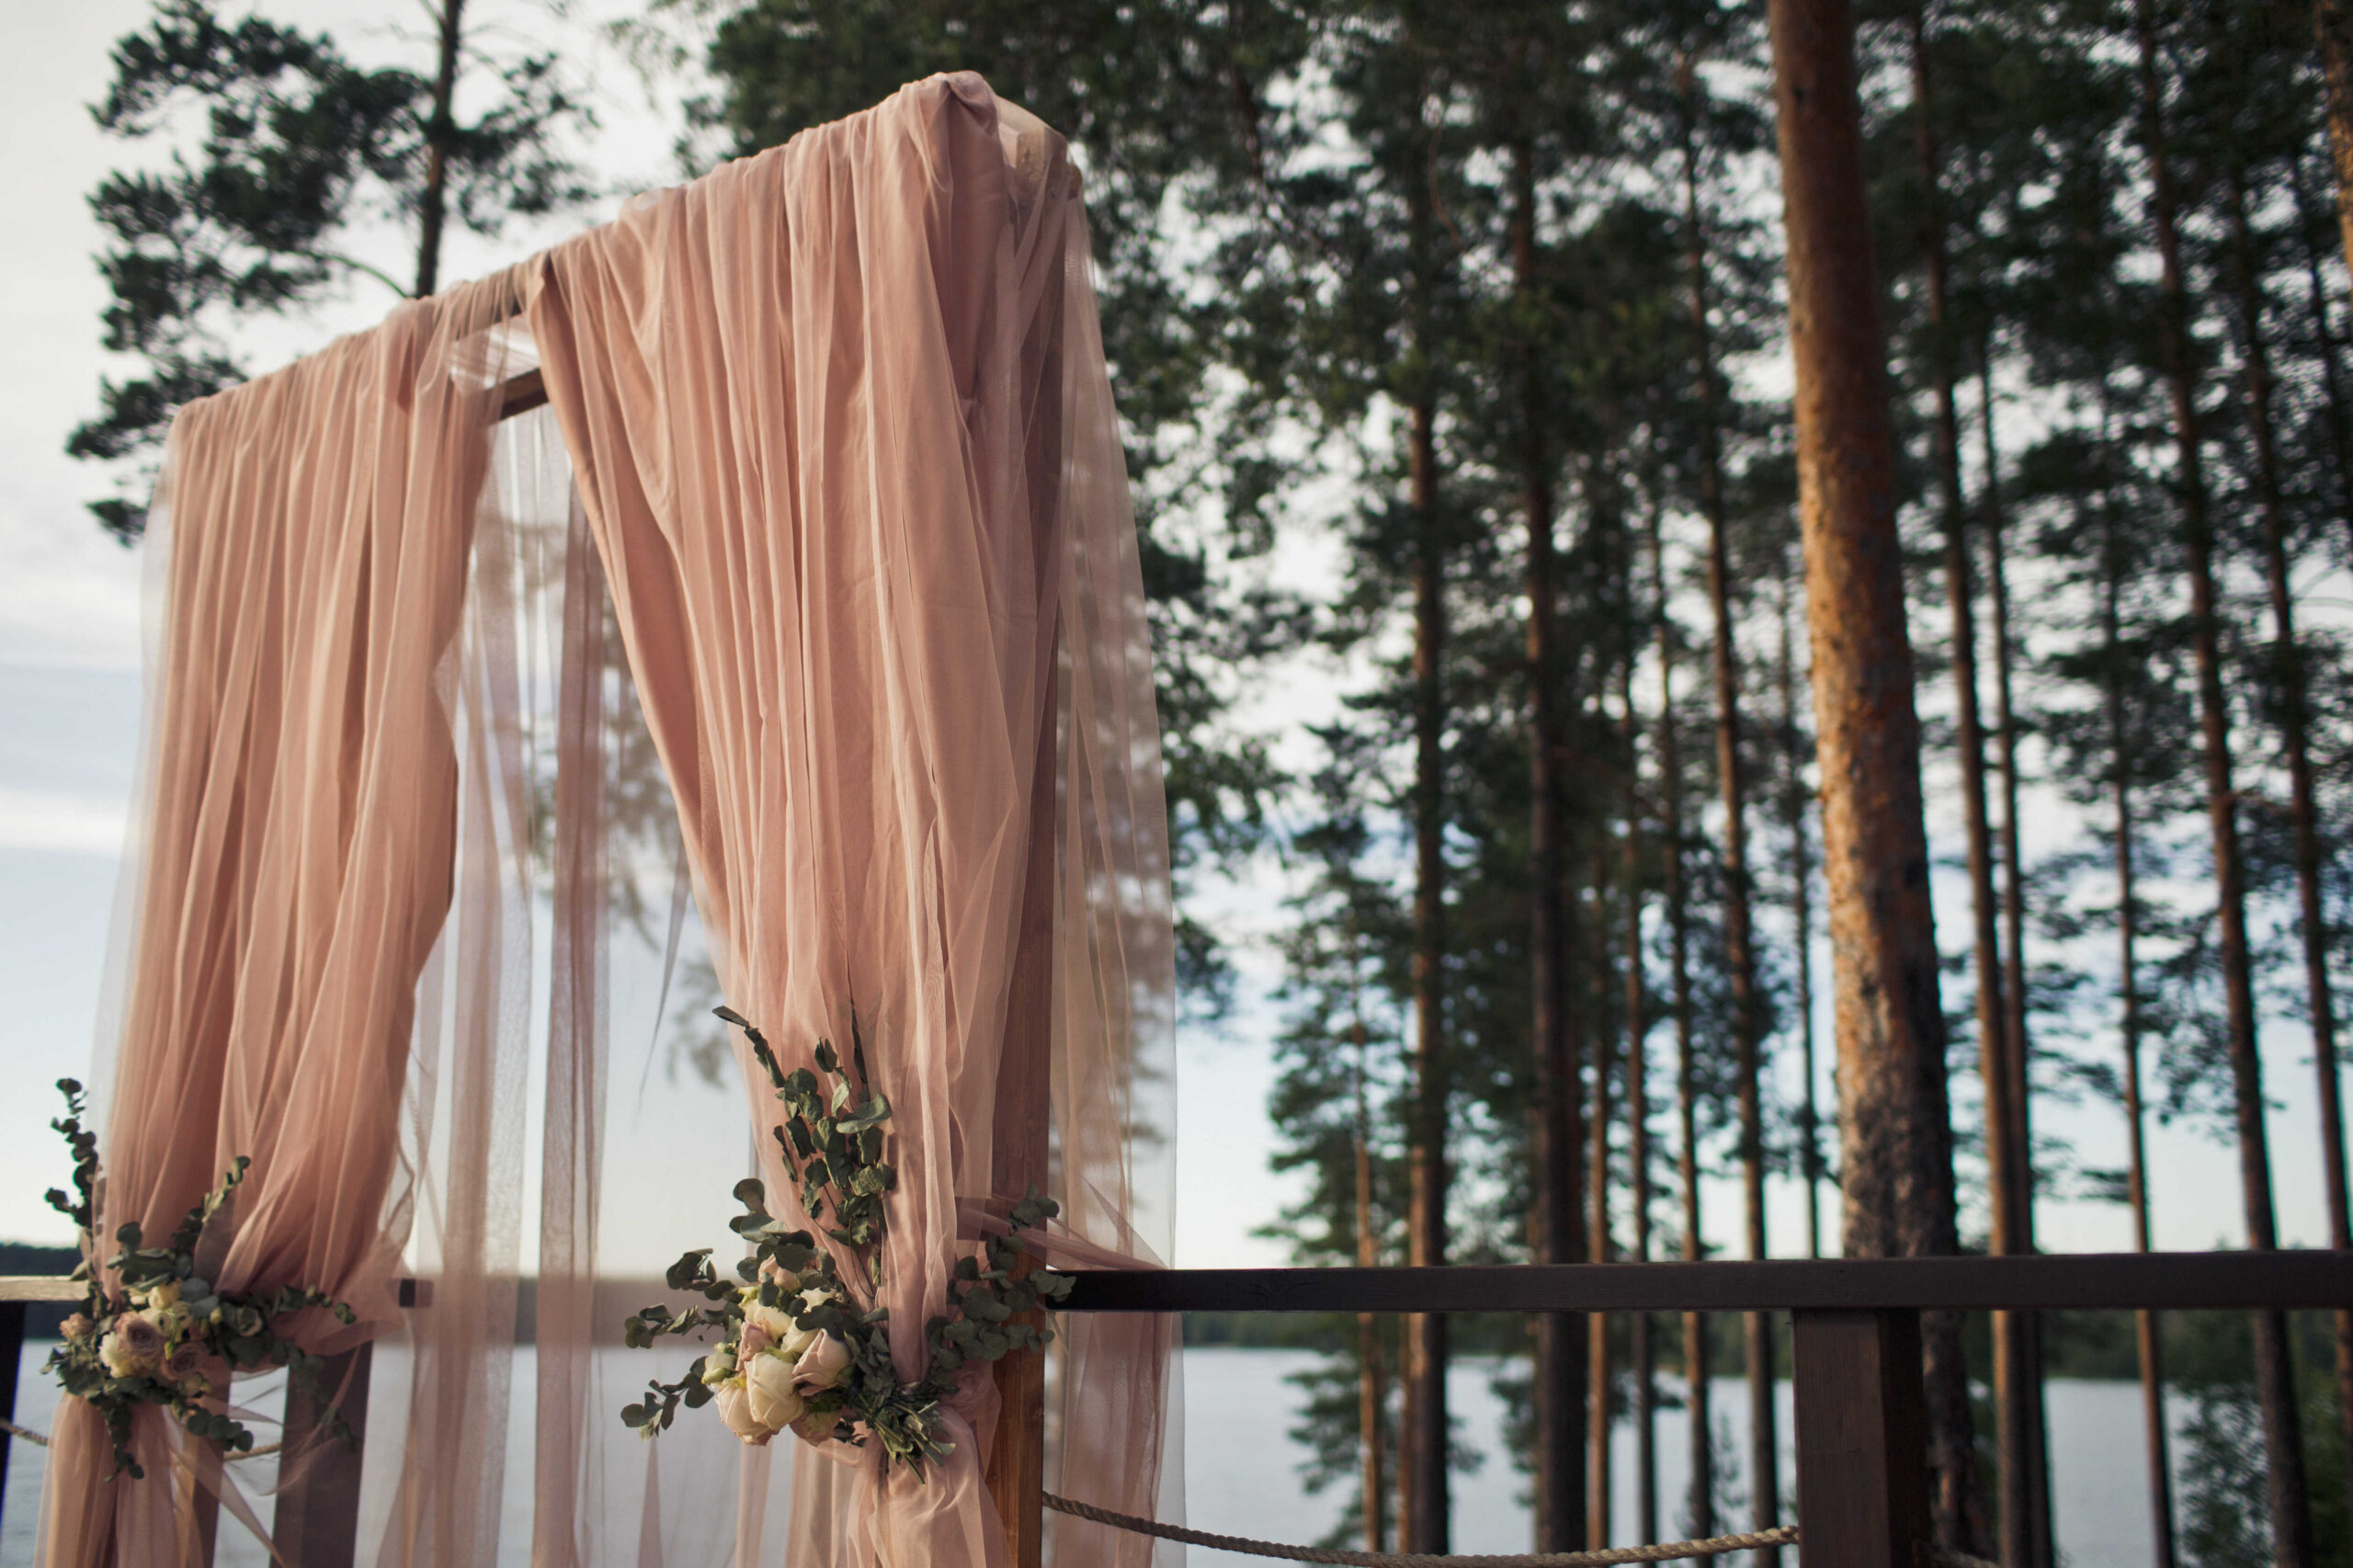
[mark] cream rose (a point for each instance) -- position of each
(774, 1402)
(734, 1406)
(773, 1322)
(821, 1364)
(719, 1365)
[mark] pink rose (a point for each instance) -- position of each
(78, 1326)
(184, 1362)
(141, 1340)
(755, 1340)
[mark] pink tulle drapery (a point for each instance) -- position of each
(841, 434)
(299, 857)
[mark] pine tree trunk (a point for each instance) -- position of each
(1638, 1097)
(1560, 1379)
(1372, 1373)
(2017, 1043)
(1598, 1377)
(1373, 1385)
(2291, 1541)
(1793, 804)
(1427, 1527)
(2340, 420)
(2303, 811)
(2147, 1335)
(440, 134)
(2334, 29)
(1739, 960)
(1701, 1516)
(2014, 1445)
(1895, 1163)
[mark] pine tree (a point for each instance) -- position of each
(2283, 1440)
(1895, 1154)
(300, 147)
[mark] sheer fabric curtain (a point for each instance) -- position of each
(843, 437)
(845, 447)
(323, 942)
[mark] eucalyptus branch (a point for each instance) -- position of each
(798, 1349)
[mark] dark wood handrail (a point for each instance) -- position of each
(2124, 1281)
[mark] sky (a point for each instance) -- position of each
(70, 694)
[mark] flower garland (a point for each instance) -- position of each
(798, 1352)
(152, 1343)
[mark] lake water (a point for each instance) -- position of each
(1241, 1467)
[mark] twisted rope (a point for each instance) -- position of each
(30, 1436)
(1665, 1552)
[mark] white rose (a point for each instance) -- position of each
(734, 1406)
(821, 1365)
(774, 1402)
(118, 1360)
(774, 1321)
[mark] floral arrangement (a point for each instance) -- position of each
(799, 1352)
(155, 1342)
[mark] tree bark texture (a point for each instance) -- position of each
(440, 132)
(1426, 1524)
(2334, 27)
(1896, 1144)
(1560, 1373)
(2017, 1045)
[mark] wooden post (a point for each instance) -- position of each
(12, 1350)
(1017, 1467)
(318, 1512)
(1862, 1428)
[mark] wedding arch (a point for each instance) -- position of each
(825, 442)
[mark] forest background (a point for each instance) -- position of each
(1422, 317)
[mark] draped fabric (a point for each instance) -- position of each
(830, 448)
(842, 431)
(326, 664)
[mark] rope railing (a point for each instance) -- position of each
(1664, 1551)
(40, 1439)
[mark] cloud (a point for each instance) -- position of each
(62, 823)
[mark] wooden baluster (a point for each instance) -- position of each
(12, 1350)
(1862, 1428)
(1017, 1468)
(318, 1512)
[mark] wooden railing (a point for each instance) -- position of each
(1862, 1426)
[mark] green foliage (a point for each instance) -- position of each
(833, 1141)
(1162, 102)
(298, 145)
(164, 1333)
